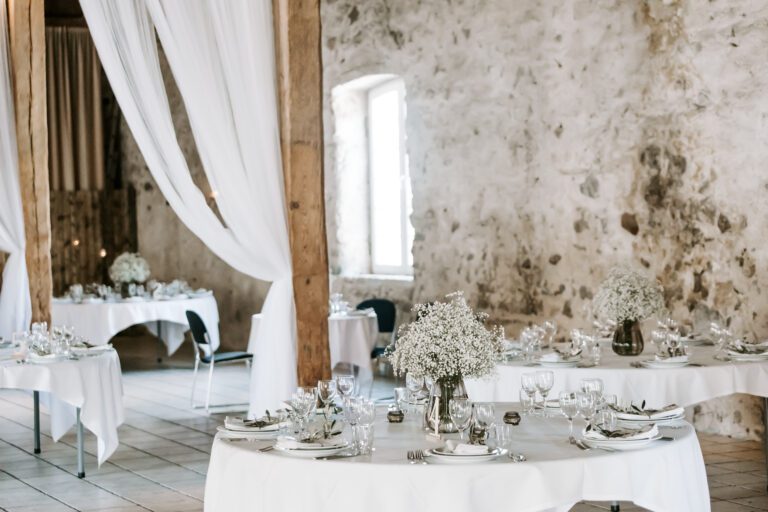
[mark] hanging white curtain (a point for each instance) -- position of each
(15, 303)
(222, 57)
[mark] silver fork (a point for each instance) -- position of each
(415, 456)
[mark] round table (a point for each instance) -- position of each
(92, 384)
(707, 378)
(167, 319)
(351, 337)
(663, 476)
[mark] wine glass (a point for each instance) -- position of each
(570, 408)
(401, 398)
(414, 384)
(485, 415)
(550, 330)
(586, 405)
(594, 387)
(345, 385)
(460, 410)
(544, 382)
(326, 392)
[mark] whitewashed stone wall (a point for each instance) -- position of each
(550, 140)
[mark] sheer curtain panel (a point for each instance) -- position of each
(222, 58)
(15, 303)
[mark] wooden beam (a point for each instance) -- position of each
(26, 23)
(300, 90)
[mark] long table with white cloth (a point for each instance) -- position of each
(665, 475)
(86, 392)
(98, 322)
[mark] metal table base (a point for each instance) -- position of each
(80, 457)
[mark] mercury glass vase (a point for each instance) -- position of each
(627, 339)
(437, 415)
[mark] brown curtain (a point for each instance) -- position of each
(75, 123)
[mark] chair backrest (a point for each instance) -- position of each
(196, 325)
(385, 312)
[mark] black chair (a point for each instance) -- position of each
(386, 314)
(205, 354)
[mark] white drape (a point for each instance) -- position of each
(15, 304)
(222, 57)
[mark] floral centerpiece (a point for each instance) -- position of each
(129, 268)
(447, 343)
(628, 297)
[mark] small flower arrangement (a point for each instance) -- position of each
(628, 295)
(129, 267)
(447, 341)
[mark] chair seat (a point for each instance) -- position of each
(222, 357)
(378, 352)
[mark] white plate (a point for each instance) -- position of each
(250, 434)
(435, 455)
(134, 299)
(50, 358)
(311, 453)
(652, 363)
(560, 364)
(748, 358)
(620, 444)
(645, 419)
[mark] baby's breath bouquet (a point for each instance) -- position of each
(129, 267)
(447, 341)
(627, 295)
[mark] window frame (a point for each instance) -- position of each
(405, 267)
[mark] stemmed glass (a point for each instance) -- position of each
(485, 415)
(586, 405)
(593, 387)
(352, 409)
(544, 382)
(550, 329)
(528, 382)
(460, 410)
(326, 392)
(569, 406)
(345, 385)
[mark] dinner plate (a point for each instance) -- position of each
(440, 457)
(748, 358)
(620, 444)
(247, 434)
(311, 453)
(651, 363)
(572, 363)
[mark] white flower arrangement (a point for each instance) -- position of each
(129, 267)
(448, 340)
(628, 295)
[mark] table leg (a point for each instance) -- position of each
(160, 342)
(80, 461)
(615, 506)
(36, 399)
(765, 433)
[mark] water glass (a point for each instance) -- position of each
(363, 435)
(460, 410)
(401, 398)
(569, 406)
(606, 419)
(527, 402)
(504, 437)
(366, 413)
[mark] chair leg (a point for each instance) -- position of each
(208, 393)
(194, 381)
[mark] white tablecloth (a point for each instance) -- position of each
(351, 338)
(684, 386)
(94, 384)
(663, 477)
(100, 322)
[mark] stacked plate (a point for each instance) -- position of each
(91, 351)
(668, 362)
(237, 427)
(556, 360)
(648, 416)
(748, 352)
(310, 450)
(456, 453)
(622, 438)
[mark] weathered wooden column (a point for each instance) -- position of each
(26, 24)
(300, 86)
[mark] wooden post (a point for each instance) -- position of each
(26, 24)
(300, 91)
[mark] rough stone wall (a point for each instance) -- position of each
(551, 140)
(172, 250)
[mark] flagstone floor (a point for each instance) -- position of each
(164, 448)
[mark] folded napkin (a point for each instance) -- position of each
(243, 424)
(639, 413)
(596, 433)
(458, 448)
(291, 443)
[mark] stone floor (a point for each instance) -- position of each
(164, 448)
